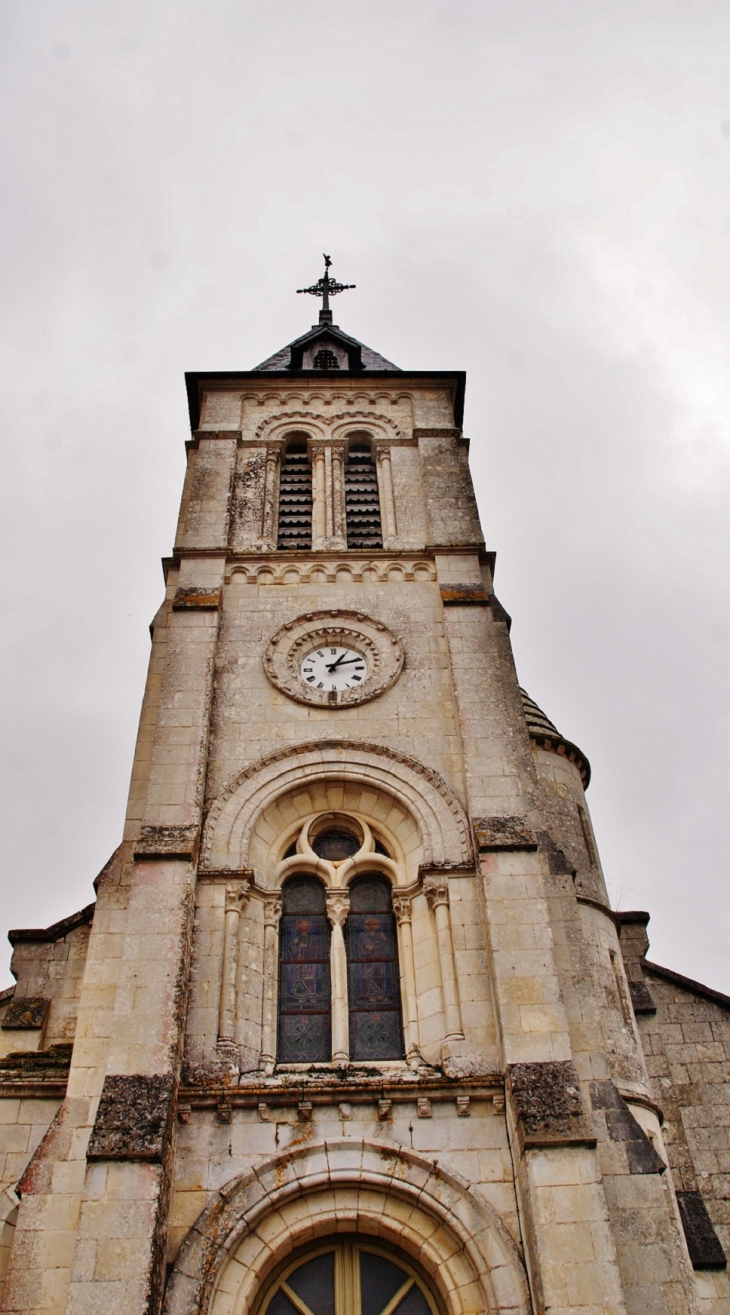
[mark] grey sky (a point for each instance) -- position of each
(536, 192)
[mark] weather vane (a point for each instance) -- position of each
(326, 288)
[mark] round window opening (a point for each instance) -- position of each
(349, 1278)
(336, 844)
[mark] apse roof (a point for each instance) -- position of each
(547, 736)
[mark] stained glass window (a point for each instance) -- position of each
(376, 1030)
(345, 1277)
(304, 973)
(336, 844)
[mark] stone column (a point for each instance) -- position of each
(402, 911)
(328, 493)
(272, 914)
(339, 524)
(436, 890)
(271, 488)
(387, 501)
(338, 907)
(236, 899)
(319, 497)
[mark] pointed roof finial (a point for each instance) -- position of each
(326, 288)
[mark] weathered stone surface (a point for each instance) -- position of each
(191, 598)
(503, 833)
(548, 1104)
(133, 1119)
(641, 998)
(26, 1014)
(167, 842)
(464, 595)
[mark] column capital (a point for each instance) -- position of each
(272, 911)
(338, 906)
(402, 908)
(237, 895)
(436, 890)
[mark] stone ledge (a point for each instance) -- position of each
(26, 1015)
(192, 599)
(547, 1102)
(167, 842)
(134, 1118)
(503, 833)
(25, 1072)
(464, 595)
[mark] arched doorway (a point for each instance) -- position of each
(347, 1276)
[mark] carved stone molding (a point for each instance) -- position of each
(274, 426)
(338, 906)
(436, 890)
(238, 895)
(402, 908)
(443, 1219)
(382, 650)
(441, 820)
(272, 912)
(321, 570)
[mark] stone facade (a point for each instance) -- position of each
(551, 1133)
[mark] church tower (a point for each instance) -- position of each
(350, 1028)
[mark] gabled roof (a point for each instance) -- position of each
(360, 357)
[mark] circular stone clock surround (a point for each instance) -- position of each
(380, 648)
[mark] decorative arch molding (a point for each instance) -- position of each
(274, 427)
(440, 818)
(372, 1188)
(338, 570)
(335, 398)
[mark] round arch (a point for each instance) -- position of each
(348, 1187)
(437, 819)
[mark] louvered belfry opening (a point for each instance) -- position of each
(295, 497)
(362, 503)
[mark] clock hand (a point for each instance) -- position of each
(337, 662)
(342, 663)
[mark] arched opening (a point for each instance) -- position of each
(362, 500)
(304, 973)
(348, 1276)
(295, 496)
(376, 1022)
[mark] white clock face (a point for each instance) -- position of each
(333, 667)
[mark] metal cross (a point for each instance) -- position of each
(326, 288)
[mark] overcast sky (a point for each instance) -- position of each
(535, 191)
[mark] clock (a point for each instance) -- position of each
(333, 659)
(334, 667)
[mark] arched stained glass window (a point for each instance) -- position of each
(349, 1278)
(304, 973)
(376, 1030)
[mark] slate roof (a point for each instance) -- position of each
(361, 358)
(547, 736)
